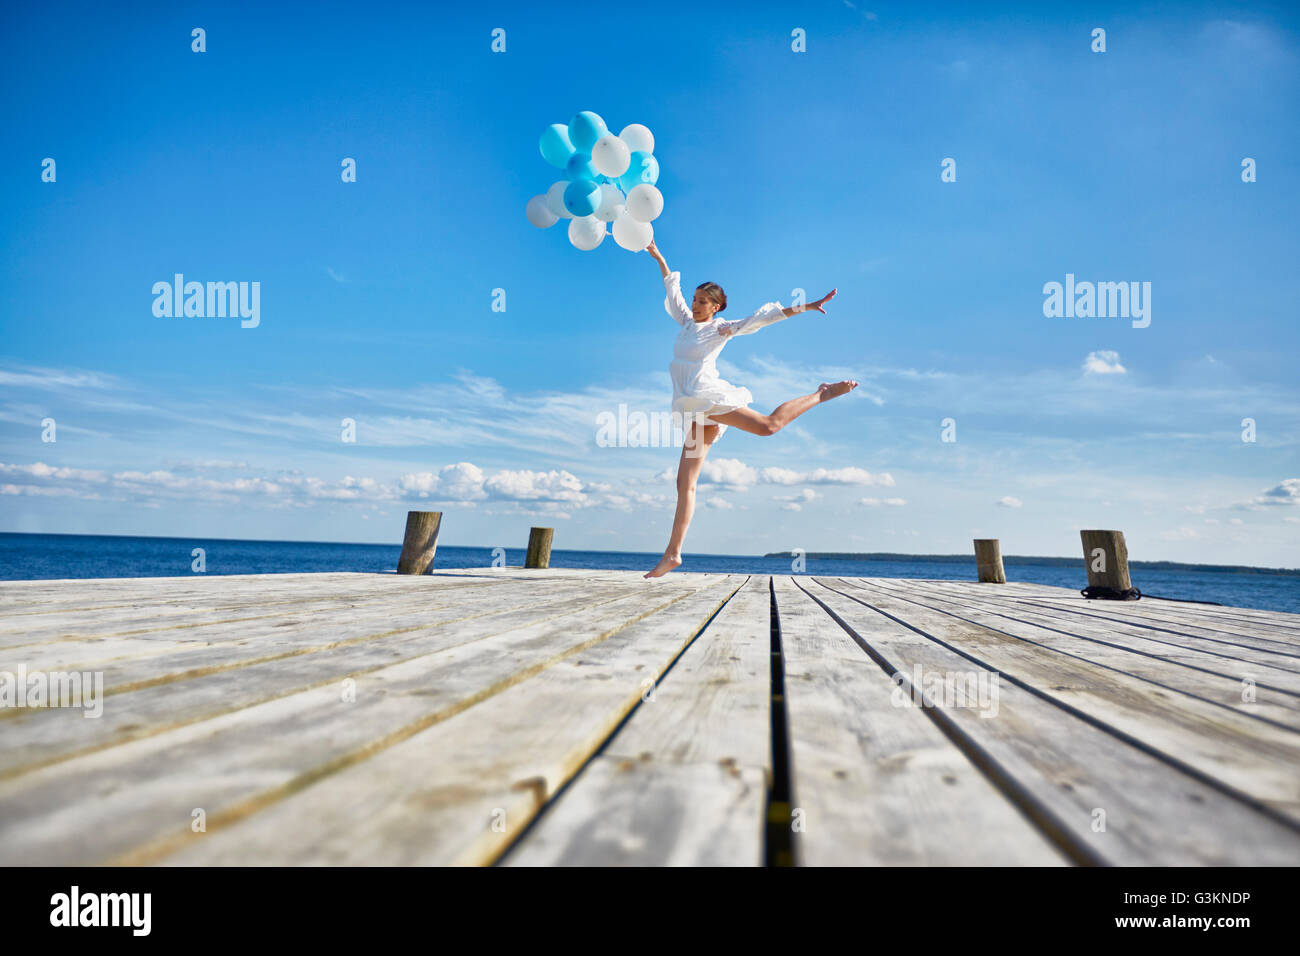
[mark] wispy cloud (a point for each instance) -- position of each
(866, 14)
(53, 379)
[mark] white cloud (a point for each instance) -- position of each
(728, 471)
(1010, 502)
(210, 464)
(47, 490)
(826, 476)
(877, 502)
(41, 470)
(782, 476)
(1103, 363)
(462, 481)
(806, 495)
(536, 485)
(1284, 493)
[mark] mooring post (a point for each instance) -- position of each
(988, 561)
(420, 543)
(539, 548)
(1106, 556)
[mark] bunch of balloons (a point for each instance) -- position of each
(608, 179)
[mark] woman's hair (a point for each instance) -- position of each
(713, 292)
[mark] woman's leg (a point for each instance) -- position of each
(688, 470)
(756, 423)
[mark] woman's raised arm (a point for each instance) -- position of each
(654, 254)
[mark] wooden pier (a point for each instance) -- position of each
(542, 717)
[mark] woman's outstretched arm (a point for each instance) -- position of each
(772, 312)
(812, 305)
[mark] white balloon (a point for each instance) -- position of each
(555, 200)
(631, 234)
(539, 214)
(586, 232)
(611, 203)
(638, 137)
(610, 156)
(645, 203)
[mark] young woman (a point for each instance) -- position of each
(709, 404)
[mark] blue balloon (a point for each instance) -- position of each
(643, 168)
(582, 197)
(585, 129)
(555, 145)
(579, 167)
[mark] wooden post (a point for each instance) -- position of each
(539, 548)
(420, 543)
(1106, 557)
(988, 561)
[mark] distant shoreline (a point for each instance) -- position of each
(1041, 560)
(1030, 559)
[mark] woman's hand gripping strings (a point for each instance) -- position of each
(654, 254)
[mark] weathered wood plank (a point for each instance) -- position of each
(480, 692)
(1189, 647)
(230, 591)
(712, 712)
(1255, 759)
(647, 813)
(1236, 633)
(131, 661)
(161, 613)
(1277, 693)
(1069, 771)
(460, 790)
(143, 703)
(1172, 611)
(138, 796)
(875, 780)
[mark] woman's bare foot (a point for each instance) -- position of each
(835, 389)
(667, 563)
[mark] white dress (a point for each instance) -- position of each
(697, 388)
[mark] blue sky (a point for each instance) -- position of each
(780, 170)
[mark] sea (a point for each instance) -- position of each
(56, 556)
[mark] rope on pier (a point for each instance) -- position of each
(1111, 594)
(1133, 594)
